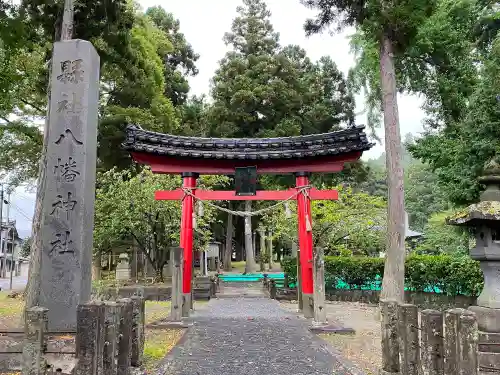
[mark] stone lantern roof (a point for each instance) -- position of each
(488, 208)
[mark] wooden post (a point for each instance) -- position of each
(176, 259)
(390, 345)
(35, 326)
(409, 344)
(432, 354)
(460, 343)
(319, 287)
(299, 283)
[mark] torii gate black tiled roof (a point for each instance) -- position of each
(300, 147)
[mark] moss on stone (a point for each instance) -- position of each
(488, 210)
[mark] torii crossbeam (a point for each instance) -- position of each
(302, 155)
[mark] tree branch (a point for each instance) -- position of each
(31, 105)
(142, 247)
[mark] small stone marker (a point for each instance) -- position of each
(138, 321)
(124, 336)
(90, 338)
(35, 327)
(68, 195)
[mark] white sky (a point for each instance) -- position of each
(204, 25)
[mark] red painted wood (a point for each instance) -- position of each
(262, 195)
(186, 239)
(171, 165)
(305, 237)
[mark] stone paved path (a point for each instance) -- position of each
(250, 335)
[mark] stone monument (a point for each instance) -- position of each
(67, 219)
(484, 218)
(123, 271)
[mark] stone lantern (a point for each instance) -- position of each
(484, 219)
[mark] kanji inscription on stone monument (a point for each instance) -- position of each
(68, 203)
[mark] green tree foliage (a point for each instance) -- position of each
(180, 61)
(138, 55)
(441, 238)
(355, 222)
(423, 195)
(459, 152)
(126, 210)
(262, 89)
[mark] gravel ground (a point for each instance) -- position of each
(250, 336)
(362, 348)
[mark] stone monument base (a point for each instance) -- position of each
(187, 304)
(308, 305)
(331, 328)
(488, 322)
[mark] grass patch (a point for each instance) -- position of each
(10, 310)
(238, 266)
(157, 345)
(157, 310)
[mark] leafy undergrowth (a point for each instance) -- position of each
(10, 311)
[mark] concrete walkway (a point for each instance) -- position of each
(250, 335)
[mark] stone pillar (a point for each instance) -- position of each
(36, 323)
(138, 322)
(124, 336)
(409, 344)
(90, 338)
(460, 343)
(111, 326)
(319, 287)
(67, 219)
(432, 351)
(390, 345)
(270, 251)
(263, 252)
(176, 259)
(299, 286)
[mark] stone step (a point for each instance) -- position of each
(201, 293)
(489, 342)
(489, 362)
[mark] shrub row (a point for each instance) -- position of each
(423, 273)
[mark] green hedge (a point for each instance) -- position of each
(423, 273)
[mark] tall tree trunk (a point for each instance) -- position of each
(393, 281)
(228, 249)
(250, 261)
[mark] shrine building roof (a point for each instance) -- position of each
(337, 143)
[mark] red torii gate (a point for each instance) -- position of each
(302, 155)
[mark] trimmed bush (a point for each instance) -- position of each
(423, 273)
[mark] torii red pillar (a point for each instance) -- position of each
(305, 244)
(186, 240)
